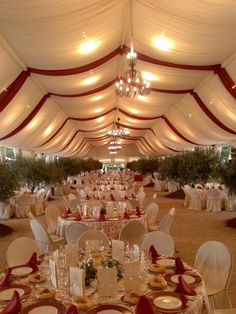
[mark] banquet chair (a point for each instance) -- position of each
(44, 240)
(165, 223)
(230, 203)
(172, 211)
(20, 250)
(23, 205)
(196, 201)
(141, 197)
(71, 197)
(74, 231)
(172, 186)
(162, 241)
(39, 205)
(186, 189)
(133, 233)
(149, 200)
(213, 202)
(75, 203)
(214, 262)
(152, 214)
(58, 190)
(96, 235)
(134, 203)
(7, 211)
(158, 186)
(51, 215)
(65, 201)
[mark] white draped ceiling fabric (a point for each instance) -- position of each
(58, 98)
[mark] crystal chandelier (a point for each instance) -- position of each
(117, 130)
(132, 84)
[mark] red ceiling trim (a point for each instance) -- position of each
(77, 70)
(145, 58)
(227, 81)
(172, 149)
(211, 115)
(178, 133)
(7, 95)
(171, 91)
(57, 131)
(27, 120)
(93, 118)
(93, 91)
(68, 142)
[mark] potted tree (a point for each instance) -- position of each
(9, 184)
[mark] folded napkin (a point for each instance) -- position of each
(14, 305)
(33, 262)
(179, 266)
(65, 215)
(94, 189)
(133, 195)
(144, 306)
(126, 198)
(78, 217)
(68, 211)
(112, 197)
(184, 301)
(87, 197)
(72, 309)
(102, 217)
(126, 215)
(6, 281)
(220, 188)
(153, 254)
(138, 211)
(184, 288)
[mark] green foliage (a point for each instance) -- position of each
(9, 181)
(227, 172)
(144, 165)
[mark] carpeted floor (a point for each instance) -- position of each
(190, 229)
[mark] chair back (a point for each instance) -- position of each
(51, 215)
(65, 200)
(91, 234)
(172, 211)
(40, 192)
(20, 250)
(165, 223)
(71, 197)
(133, 233)
(40, 233)
(194, 193)
(74, 231)
(214, 262)
(152, 213)
(75, 203)
(213, 194)
(163, 242)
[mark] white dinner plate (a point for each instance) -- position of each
(133, 216)
(45, 309)
(167, 302)
(188, 278)
(7, 294)
(109, 312)
(89, 219)
(21, 271)
(167, 262)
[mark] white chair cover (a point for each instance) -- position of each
(6, 211)
(214, 263)
(172, 211)
(75, 203)
(196, 201)
(141, 197)
(186, 189)
(165, 223)
(133, 233)
(39, 206)
(158, 186)
(20, 251)
(23, 205)
(152, 214)
(93, 235)
(65, 200)
(213, 201)
(74, 231)
(71, 197)
(44, 241)
(172, 186)
(58, 190)
(230, 203)
(51, 215)
(163, 242)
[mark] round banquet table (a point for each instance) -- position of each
(111, 226)
(196, 305)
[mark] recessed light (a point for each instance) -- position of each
(162, 42)
(149, 76)
(90, 80)
(88, 47)
(96, 98)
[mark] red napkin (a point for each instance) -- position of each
(78, 217)
(112, 197)
(14, 305)
(133, 195)
(68, 211)
(6, 281)
(220, 188)
(126, 198)
(126, 215)
(33, 262)
(154, 254)
(138, 211)
(102, 217)
(94, 189)
(65, 215)
(184, 288)
(72, 309)
(87, 197)
(144, 306)
(179, 267)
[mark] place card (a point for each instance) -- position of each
(55, 256)
(77, 281)
(118, 251)
(53, 273)
(107, 282)
(71, 254)
(132, 280)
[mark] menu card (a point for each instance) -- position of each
(132, 280)
(107, 282)
(118, 251)
(77, 281)
(53, 273)
(71, 254)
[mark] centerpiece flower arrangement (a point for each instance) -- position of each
(91, 266)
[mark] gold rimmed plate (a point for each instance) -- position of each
(169, 302)
(109, 309)
(45, 307)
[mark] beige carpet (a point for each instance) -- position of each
(190, 229)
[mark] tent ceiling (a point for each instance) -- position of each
(55, 98)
